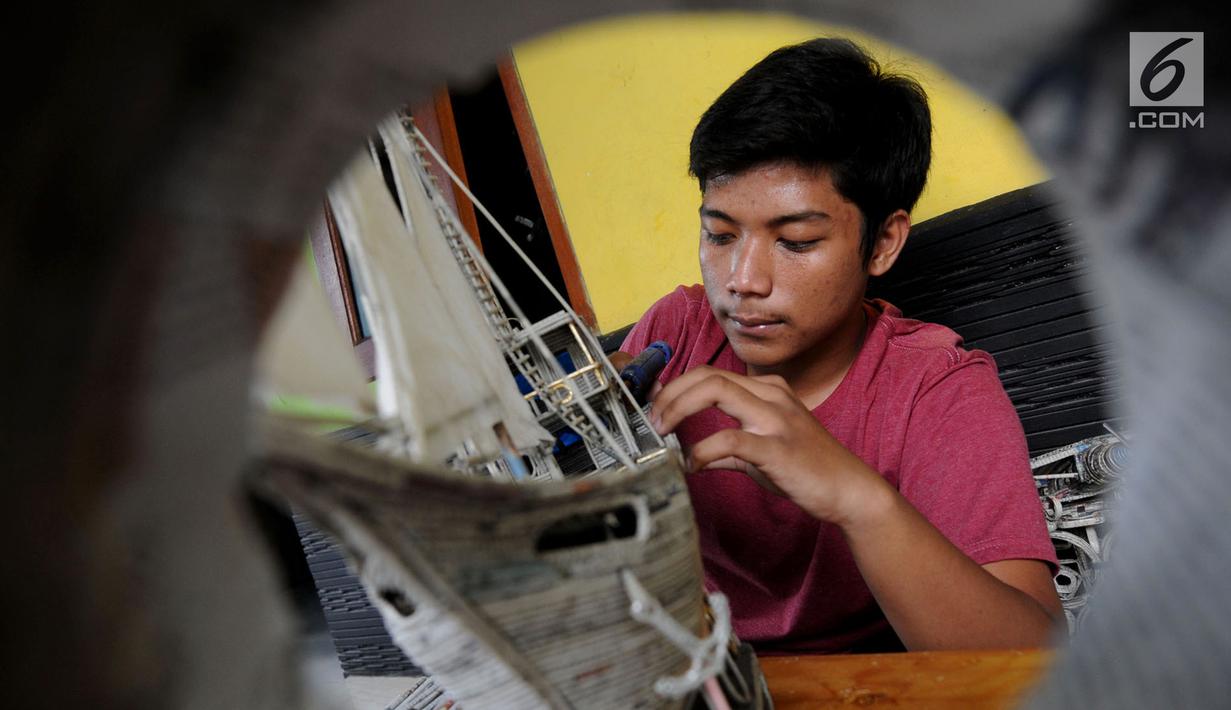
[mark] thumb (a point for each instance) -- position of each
(731, 463)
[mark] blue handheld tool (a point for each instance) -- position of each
(640, 374)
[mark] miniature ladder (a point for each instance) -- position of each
(558, 399)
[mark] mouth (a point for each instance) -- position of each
(753, 324)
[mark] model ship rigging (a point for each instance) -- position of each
(525, 534)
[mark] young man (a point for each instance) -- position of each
(861, 482)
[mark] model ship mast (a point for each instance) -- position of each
(571, 399)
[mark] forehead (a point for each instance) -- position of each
(765, 192)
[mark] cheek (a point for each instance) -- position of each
(845, 287)
(711, 265)
(828, 287)
(813, 282)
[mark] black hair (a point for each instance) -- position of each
(823, 104)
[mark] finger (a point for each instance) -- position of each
(728, 463)
(727, 444)
(736, 450)
(761, 386)
(729, 396)
(777, 381)
(690, 380)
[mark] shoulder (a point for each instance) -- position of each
(918, 340)
(912, 373)
(927, 354)
(685, 301)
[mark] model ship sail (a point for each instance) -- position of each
(444, 341)
(556, 592)
(439, 379)
(331, 376)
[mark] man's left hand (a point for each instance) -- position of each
(779, 443)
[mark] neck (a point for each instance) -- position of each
(815, 374)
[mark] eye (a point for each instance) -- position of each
(798, 246)
(717, 239)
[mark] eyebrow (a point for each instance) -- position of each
(778, 221)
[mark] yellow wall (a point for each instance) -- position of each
(615, 103)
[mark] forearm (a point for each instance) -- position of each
(935, 596)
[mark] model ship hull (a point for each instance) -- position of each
(511, 596)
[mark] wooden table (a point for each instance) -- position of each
(938, 679)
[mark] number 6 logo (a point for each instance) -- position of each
(1166, 69)
(1156, 65)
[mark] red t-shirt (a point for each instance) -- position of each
(931, 417)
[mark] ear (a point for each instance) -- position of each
(889, 242)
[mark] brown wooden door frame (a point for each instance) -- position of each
(435, 121)
(545, 189)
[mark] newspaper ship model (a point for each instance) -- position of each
(1077, 485)
(525, 534)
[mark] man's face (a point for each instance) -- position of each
(781, 262)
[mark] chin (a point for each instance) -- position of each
(757, 354)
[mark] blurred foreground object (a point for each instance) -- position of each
(162, 160)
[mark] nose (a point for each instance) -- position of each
(751, 269)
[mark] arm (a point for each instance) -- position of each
(938, 598)
(934, 595)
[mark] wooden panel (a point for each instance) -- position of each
(435, 120)
(322, 237)
(537, 163)
(938, 679)
(334, 274)
(365, 351)
(338, 284)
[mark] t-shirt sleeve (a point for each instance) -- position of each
(966, 468)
